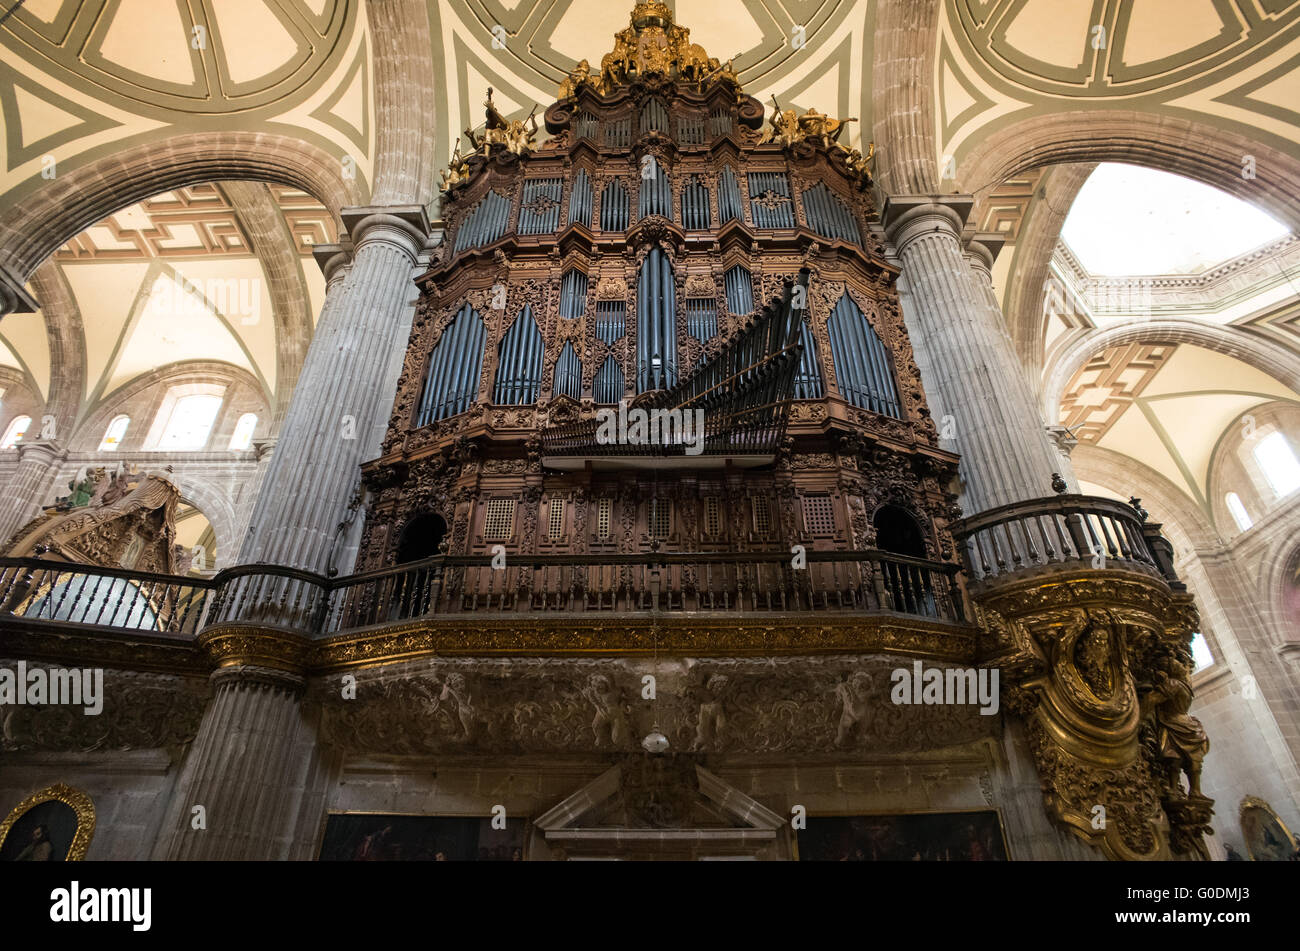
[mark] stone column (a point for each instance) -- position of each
(24, 494)
(250, 764)
(240, 777)
(982, 250)
(967, 361)
(344, 396)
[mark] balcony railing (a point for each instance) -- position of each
(1067, 530)
(723, 583)
(676, 582)
(61, 593)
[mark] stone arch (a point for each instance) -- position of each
(1188, 526)
(216, 507)
(1162, 141)
(1265, 356)
(67, 343)
(1033, 256)
(91, 426)
(73, 201)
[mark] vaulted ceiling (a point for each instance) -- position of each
(992, 97)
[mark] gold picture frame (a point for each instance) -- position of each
(1249, 828)
(75, 799)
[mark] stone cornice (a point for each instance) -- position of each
(909, 217)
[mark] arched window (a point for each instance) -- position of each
(656, 324)
(827, 215)
(608, 386)
(519, 363)
(15, 431)
(656, 193)
(451, 383)
(613, 207)
(1238, 511)
(242, 438)
(808, 378)
(114, 434)
(861, 361)
(1278, 462)
(568, 373)
(1201, 654)
(484, 224)
(190, 422)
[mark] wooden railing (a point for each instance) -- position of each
(1069, 530)
(728, 583)
(644, 583)
(58, 593)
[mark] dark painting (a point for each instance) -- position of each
(937, 837)
(383, 838)
(41, 834)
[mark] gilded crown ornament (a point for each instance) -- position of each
(652, 45)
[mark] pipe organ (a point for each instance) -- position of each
(624, 258)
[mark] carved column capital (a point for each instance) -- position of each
(334, 261)
(281, 680)
(405, 227)
(250, 648)
(982, 250)
(908, 217)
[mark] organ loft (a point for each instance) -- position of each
(666, 646)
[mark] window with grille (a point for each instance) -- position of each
(818, 515)
(762, 515)
(604, 510)
(556, 520)
(712, 517)
(500, 521)
(661, 518)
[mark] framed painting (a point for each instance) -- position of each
(1267, 839)
(53, 825)
(914, 837)
(370, 837)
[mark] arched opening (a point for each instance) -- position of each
(908, 586)
(897, 531)
(413, 592)
(420, 538)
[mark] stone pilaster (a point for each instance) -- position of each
(967, 361)
(344, 395)
(243, 770)
(25, 492)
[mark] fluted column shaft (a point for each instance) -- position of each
(343, 398)
(967, 361)
(25, 491)
(242, 770)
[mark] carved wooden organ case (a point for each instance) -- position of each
(529, 317)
